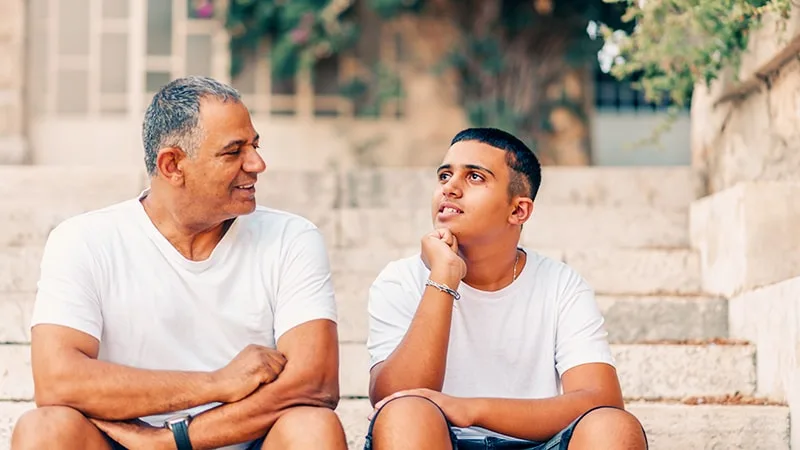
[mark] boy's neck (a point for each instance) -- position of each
(491, 267)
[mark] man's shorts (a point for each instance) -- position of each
(558, 442)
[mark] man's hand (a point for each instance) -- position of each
(440, 255)
(135, 434)
(252, 367)
(456, 409)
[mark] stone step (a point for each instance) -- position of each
(568, 227)
(42, 186)
(629, 319)
(573, 227)
(668, 425)
(645, 371)
(608, 271)
(665, 187)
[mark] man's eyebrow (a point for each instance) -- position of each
(237, 143)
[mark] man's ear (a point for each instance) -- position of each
(169, 164)
(523, 208)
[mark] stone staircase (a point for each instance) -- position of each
(625, 230)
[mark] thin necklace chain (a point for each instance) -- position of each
(516, 260)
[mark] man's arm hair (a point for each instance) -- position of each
(585, 387)
(310, 378)
(66, 372)
(419, 361)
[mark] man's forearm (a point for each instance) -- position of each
(420, 359)
(535, 419)
(109, 391)
(253, 416)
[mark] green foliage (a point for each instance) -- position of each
(512, 54)
(300, 32)
(675, 44)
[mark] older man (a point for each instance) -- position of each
(187, 317)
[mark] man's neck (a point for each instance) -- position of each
(194, 239)
(491, 266)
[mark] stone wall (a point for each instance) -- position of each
(745, 127)
(12, 46)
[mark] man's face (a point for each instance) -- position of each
(472, 198)
(220, 178)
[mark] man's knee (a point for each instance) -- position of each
(407, 414)
(42, 427)
(612, 426)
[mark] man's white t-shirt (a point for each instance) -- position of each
(111, 274)
(512, 343)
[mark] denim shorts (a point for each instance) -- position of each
(558, 442)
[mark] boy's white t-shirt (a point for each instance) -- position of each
(512, 343)
(111, 274)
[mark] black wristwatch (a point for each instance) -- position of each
(179, 425)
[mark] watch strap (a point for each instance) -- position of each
(180, 431)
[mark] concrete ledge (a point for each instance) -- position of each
(747, 236)
(645, 371)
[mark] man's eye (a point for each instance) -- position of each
(476, 176)
(443, 176)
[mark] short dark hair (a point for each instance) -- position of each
(526, 171)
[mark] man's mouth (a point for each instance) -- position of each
(246, 186)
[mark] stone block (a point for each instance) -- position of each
(769, 317)
(19, 268)
(747, 236)
(16, 379)
(15, 317)
(645, 371)
(638, 272)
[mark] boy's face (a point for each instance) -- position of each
(471, 199)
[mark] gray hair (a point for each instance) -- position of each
(172, 118)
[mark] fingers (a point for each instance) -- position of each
(399, 394)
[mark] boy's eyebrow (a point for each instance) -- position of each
(467, 166)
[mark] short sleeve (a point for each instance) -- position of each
(67, 291)
(305, 289)
(581, 337)
(391, 309)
